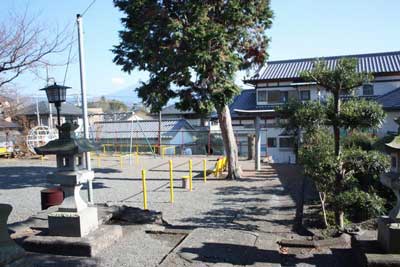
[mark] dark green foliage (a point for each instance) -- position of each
(296, 115)
(361, 114)
(191, 49)
(357, 139)
(317, 157)
(342, 80)
(359, 205)
(352, 171)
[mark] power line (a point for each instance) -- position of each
(69, 53)
(91, 4)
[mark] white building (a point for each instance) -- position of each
(253, 111)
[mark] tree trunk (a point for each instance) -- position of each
(339, 215)
(228, 137)
(300, 204)
(322, 198)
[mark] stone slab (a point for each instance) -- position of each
(383, 260)
(87, 246)
(10, 253)
(389, 235)
(224, 247)
(73, 224)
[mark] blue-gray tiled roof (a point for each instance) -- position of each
(66, 109)
(149, 128)
(388, 62)
(391, 100)
(246, 100)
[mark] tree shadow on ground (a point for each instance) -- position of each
(240, 206)
(23, 177)
(231, 254)
(240, 255)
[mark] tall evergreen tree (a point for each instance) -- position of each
(192, 50)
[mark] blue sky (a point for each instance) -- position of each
(301, 28)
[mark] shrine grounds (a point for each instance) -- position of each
(237, 223)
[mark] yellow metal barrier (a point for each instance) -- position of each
(205, 170)
(144, 186)
(171, 182)
(190, 175)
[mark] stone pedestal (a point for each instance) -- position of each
(73, 224)
(73, 218)
(9, 251)
(389, 234)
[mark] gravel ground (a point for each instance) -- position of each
(262, 202)
(22, 180)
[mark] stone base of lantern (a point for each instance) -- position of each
(73, 224)
(389, 234)
(10, 253)
(88, 246)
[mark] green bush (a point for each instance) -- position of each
(359, 205)
(360, 140)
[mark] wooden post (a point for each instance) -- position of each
(171, 182)
(144, 187)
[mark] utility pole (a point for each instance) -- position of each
(37, 112)
(159, 133)
(84, 101)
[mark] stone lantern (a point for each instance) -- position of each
(389, 226)
(74, 218)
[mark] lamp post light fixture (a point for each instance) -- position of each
(56, 94)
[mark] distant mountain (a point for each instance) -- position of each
(126, 95)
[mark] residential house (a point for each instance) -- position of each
(172, 113)
(125, 134)
(45, 114)
(253, 111)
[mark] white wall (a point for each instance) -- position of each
(279, 155)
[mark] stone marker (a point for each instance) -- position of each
(10, 253)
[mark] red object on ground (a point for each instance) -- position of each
(51, 197)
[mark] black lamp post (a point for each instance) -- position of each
(56, 94)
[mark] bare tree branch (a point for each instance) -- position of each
(25, 45)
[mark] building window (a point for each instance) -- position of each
(286, 142)
(284, 96)
(262, 96)
(271, 142)
(274, 96)
(368, 89)
(305, 95)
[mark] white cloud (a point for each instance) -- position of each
(117, 81)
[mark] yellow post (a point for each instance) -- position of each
(98, 161)
(162, 151)
(137, 158)
(171, 182)
(120, 162)
(205, 170)
(190, 176)
(104, 149)
(144, 186)
(137, 149)
(42, 158)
